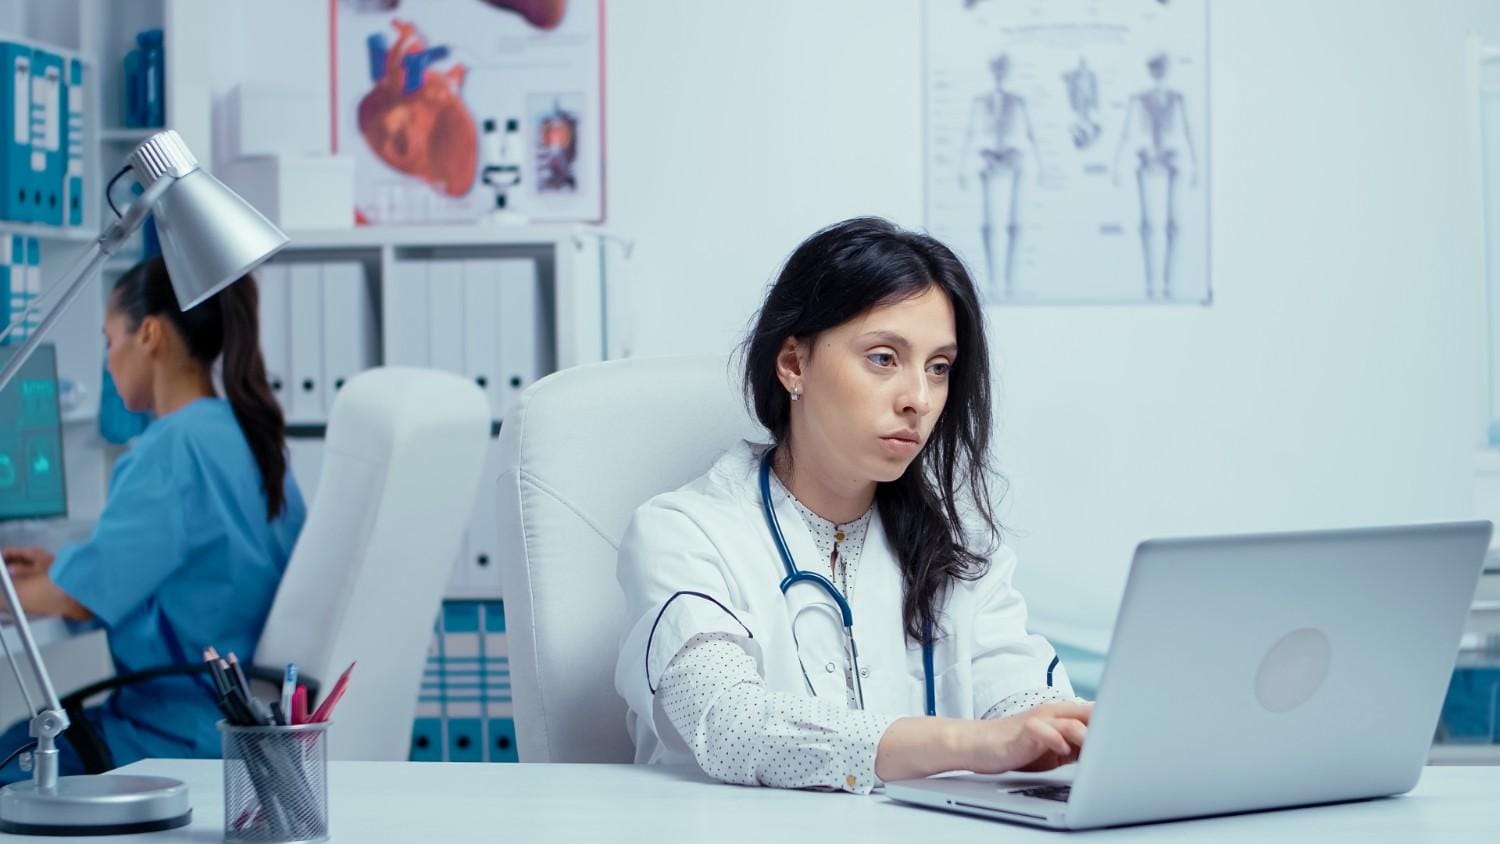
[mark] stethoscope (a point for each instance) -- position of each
(795, 575)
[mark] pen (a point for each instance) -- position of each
(241, 696)
(288, 689)
(234, 706)
(258, 708)
(213, 669)
(239, 674)
(325, 709)
(298, 715)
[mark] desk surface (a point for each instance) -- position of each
(433, 802)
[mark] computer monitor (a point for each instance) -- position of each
(31, 449)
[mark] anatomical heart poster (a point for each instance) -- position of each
(459, 111)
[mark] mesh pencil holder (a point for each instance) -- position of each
(275, 783)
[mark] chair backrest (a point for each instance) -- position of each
(582, 450)
(401, 469)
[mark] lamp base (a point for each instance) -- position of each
(102, 804)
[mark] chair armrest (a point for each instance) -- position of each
(90, 746)
(74, 701)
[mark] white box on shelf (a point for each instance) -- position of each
(277, 120)
(297, 191)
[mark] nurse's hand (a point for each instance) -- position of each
(1039, 739)
(27, 562)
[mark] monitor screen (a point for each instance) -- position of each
(31, 459)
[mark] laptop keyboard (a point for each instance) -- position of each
(1046, 792)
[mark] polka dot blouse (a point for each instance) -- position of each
(715, 698)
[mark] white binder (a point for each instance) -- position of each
(520, 329)
(407, 315)
(481, 327)
(348, 326)
(477, 574)
(275, 345)
(305, 295)
(445, 298)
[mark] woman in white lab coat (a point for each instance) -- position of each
(869, 368)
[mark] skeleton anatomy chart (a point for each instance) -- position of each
(1067, 147)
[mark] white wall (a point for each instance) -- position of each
(737, 129)
(1335, 380)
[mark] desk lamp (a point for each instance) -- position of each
(210, 238)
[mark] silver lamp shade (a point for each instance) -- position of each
(210, 237)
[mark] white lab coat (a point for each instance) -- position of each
(701, 559)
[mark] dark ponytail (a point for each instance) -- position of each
(833, 277)
(227, 324)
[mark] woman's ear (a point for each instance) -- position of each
(151, 335)
(789, 363)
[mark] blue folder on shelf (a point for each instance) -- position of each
(20, 259)
(26, 278)
(6, 312)
(48, 155)
(15, 132)
(73, 187)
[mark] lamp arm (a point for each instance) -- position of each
(48, 724)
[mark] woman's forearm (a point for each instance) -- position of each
(40, 596)
(921, 746)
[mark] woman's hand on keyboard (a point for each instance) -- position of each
(1039, 739)
(27, 562)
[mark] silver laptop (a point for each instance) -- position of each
(1256, 672)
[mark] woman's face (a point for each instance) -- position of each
(873, 388)
(129, 360)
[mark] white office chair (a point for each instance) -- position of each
(582, 449)
(402, 463)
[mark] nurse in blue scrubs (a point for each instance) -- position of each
(200, 521)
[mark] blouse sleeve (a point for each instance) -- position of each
(716, 700)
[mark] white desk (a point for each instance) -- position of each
(439, 802)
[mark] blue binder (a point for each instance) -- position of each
(5, 288)
(33, 285)
(13, 252)
(73, 188)
(15, 131)
(49, 157)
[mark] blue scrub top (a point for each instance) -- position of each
(182, 559)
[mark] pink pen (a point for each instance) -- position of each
(325, 709)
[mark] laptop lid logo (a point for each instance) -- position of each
(1293, 670)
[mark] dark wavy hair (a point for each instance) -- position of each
(227, 324)
(833, 277)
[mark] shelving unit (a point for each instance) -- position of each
(60, 234)
(125, 135)
(200, 72)
(565, 321)
(563, 254)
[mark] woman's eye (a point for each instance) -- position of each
(940, 369)
(881, 358)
